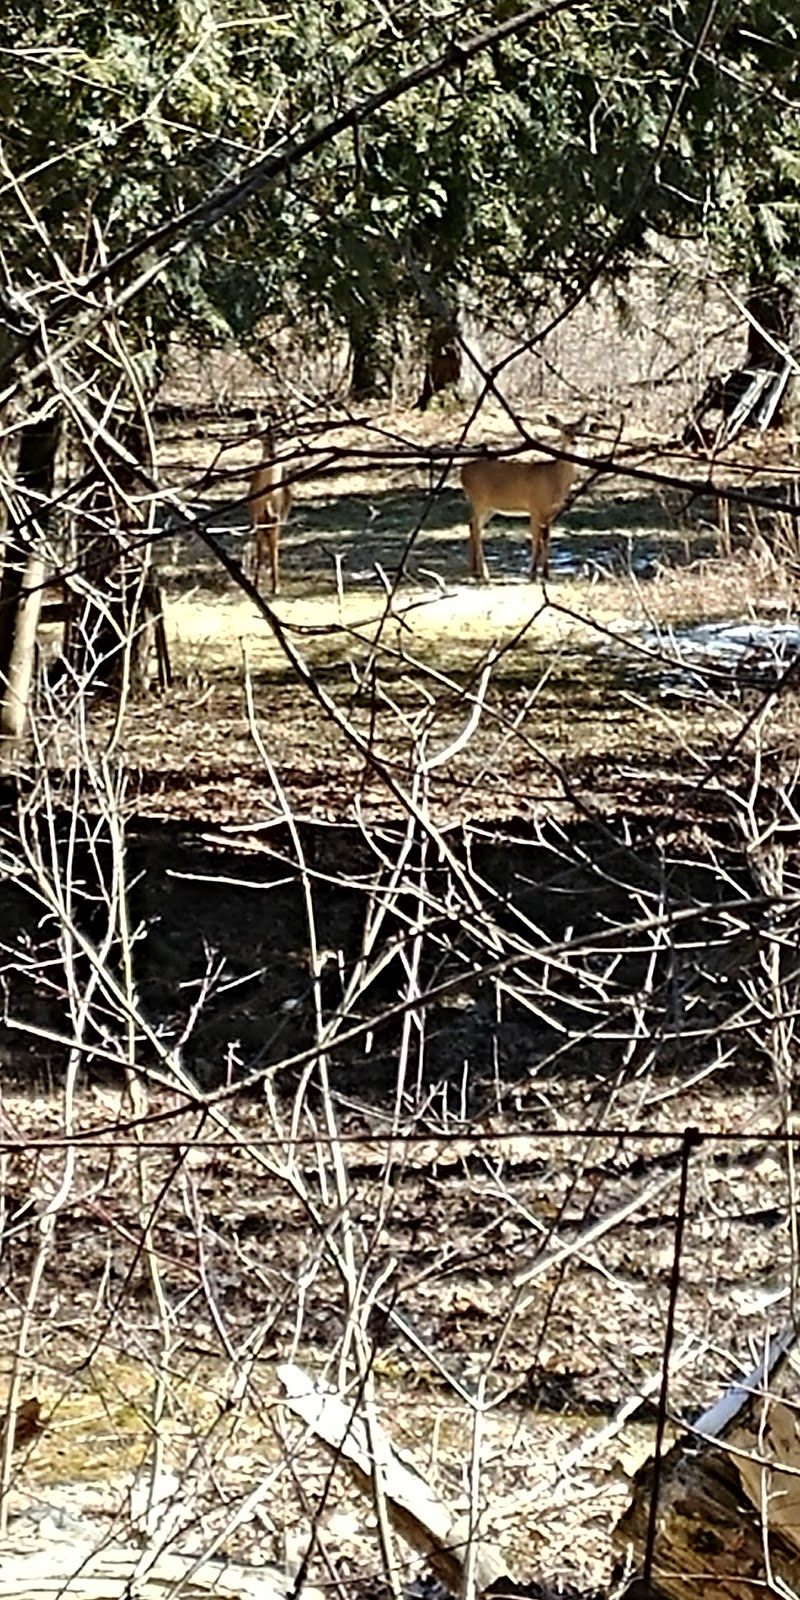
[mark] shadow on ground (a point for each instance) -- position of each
(408, 527)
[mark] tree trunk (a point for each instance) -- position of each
(372, 370)
(111, 642)
(21, 584)
(772, 305)
(773, 308)
(443, 362)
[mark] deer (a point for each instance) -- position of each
(534, 489)
(269, 500)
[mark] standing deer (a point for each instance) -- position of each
(534, 489)
(269, 500)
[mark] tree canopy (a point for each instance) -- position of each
(546, 157)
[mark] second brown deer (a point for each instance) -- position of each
(269, 501)
(534, 489)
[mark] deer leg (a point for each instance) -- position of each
(540, 543)
(273, 541)
(535, 535)
(255, 565)
(546, 550)
(477, 559)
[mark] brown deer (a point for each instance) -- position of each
(269, 500)
(534, 489)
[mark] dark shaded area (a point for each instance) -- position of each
(660, 936)
(611, 534)
(201, 412)
(750, 396)
(224, 932)
(443, 360)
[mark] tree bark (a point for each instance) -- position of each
(772, 306)
(21, 583)
(727, 1515)
(372, 358)
(110, 644)
(443, 362)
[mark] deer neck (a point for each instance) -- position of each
(566, 469)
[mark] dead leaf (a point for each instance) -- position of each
(764, 1481)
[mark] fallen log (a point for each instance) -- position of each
(415, 1512)
(727, 1520)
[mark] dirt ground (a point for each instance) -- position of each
(493, 847)
(464, 1214)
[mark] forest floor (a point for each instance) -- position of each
(487, 1112)
(634, 665)
(573, 1363)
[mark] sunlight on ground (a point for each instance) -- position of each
(581, 612)
(482, 611)
(584, 669)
